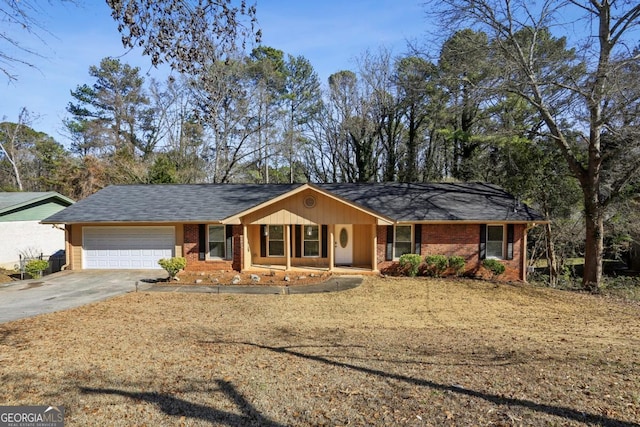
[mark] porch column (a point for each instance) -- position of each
(67, 248)
(246, 256)
(331, 243)
(287, 245)
(374, 250)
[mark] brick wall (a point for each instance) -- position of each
(190, 245)
(457, 239)
(191, 249)
(237, 247)
(384, 266)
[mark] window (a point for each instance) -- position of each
(311, 236)
(216, 241)
(402, 241)
(495, 241)
(275, 240)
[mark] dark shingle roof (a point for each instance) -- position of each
(168, 203)
(436, 201)
(212, 202)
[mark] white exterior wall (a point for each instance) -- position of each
(27, 236)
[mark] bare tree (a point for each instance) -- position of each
(377, 73)
(227, 111)
(179, 129)
(19, 18)
(571, 93)
(11, 144)
(186, 34)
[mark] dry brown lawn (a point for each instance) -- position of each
(391, 352)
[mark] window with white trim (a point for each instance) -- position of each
(311, 239)
(495, 241)
(275, 240)
(402, 243)
(217, 246)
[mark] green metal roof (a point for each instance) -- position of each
(31, 205)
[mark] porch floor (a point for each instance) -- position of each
(310, 269)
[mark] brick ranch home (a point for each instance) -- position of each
(334, 227)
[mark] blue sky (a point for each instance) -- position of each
(331, 34)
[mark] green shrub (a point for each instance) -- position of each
(457, 264)
(437, 264)
(494, 266)
(35, 267)
(411, 262)
(173, 265)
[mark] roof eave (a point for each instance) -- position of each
(472, 221)
(145, 221)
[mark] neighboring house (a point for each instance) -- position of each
(328, 226)
(20, 230)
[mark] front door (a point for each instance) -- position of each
(344, 244)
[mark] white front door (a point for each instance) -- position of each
(344, 244)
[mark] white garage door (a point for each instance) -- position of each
(126, 247)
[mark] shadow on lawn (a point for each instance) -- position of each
(174, 406)
(558, 411)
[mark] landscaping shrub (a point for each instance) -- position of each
(457, 264)
(437, 264)
(494, 266)
(35, 267)
(411, 262)
(173, 265)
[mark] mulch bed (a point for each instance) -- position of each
(269, 278)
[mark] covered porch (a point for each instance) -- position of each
(309, 229)
(328, 247)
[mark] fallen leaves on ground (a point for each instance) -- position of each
(391, 352)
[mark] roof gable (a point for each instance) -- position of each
(308, 189)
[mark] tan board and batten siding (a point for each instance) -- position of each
(75, 240)
(292, 210)
(326, 211)
(363, 247)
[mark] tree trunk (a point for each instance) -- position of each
(594, 242)
(551, 256)
(11, 153)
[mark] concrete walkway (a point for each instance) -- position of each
(333, 284)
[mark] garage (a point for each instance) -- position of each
(126, 247)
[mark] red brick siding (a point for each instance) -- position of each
(457, 239)
(191, 249)
(190, 245)
(237, 247)
(381, 250)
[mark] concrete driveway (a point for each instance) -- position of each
(68, 289)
